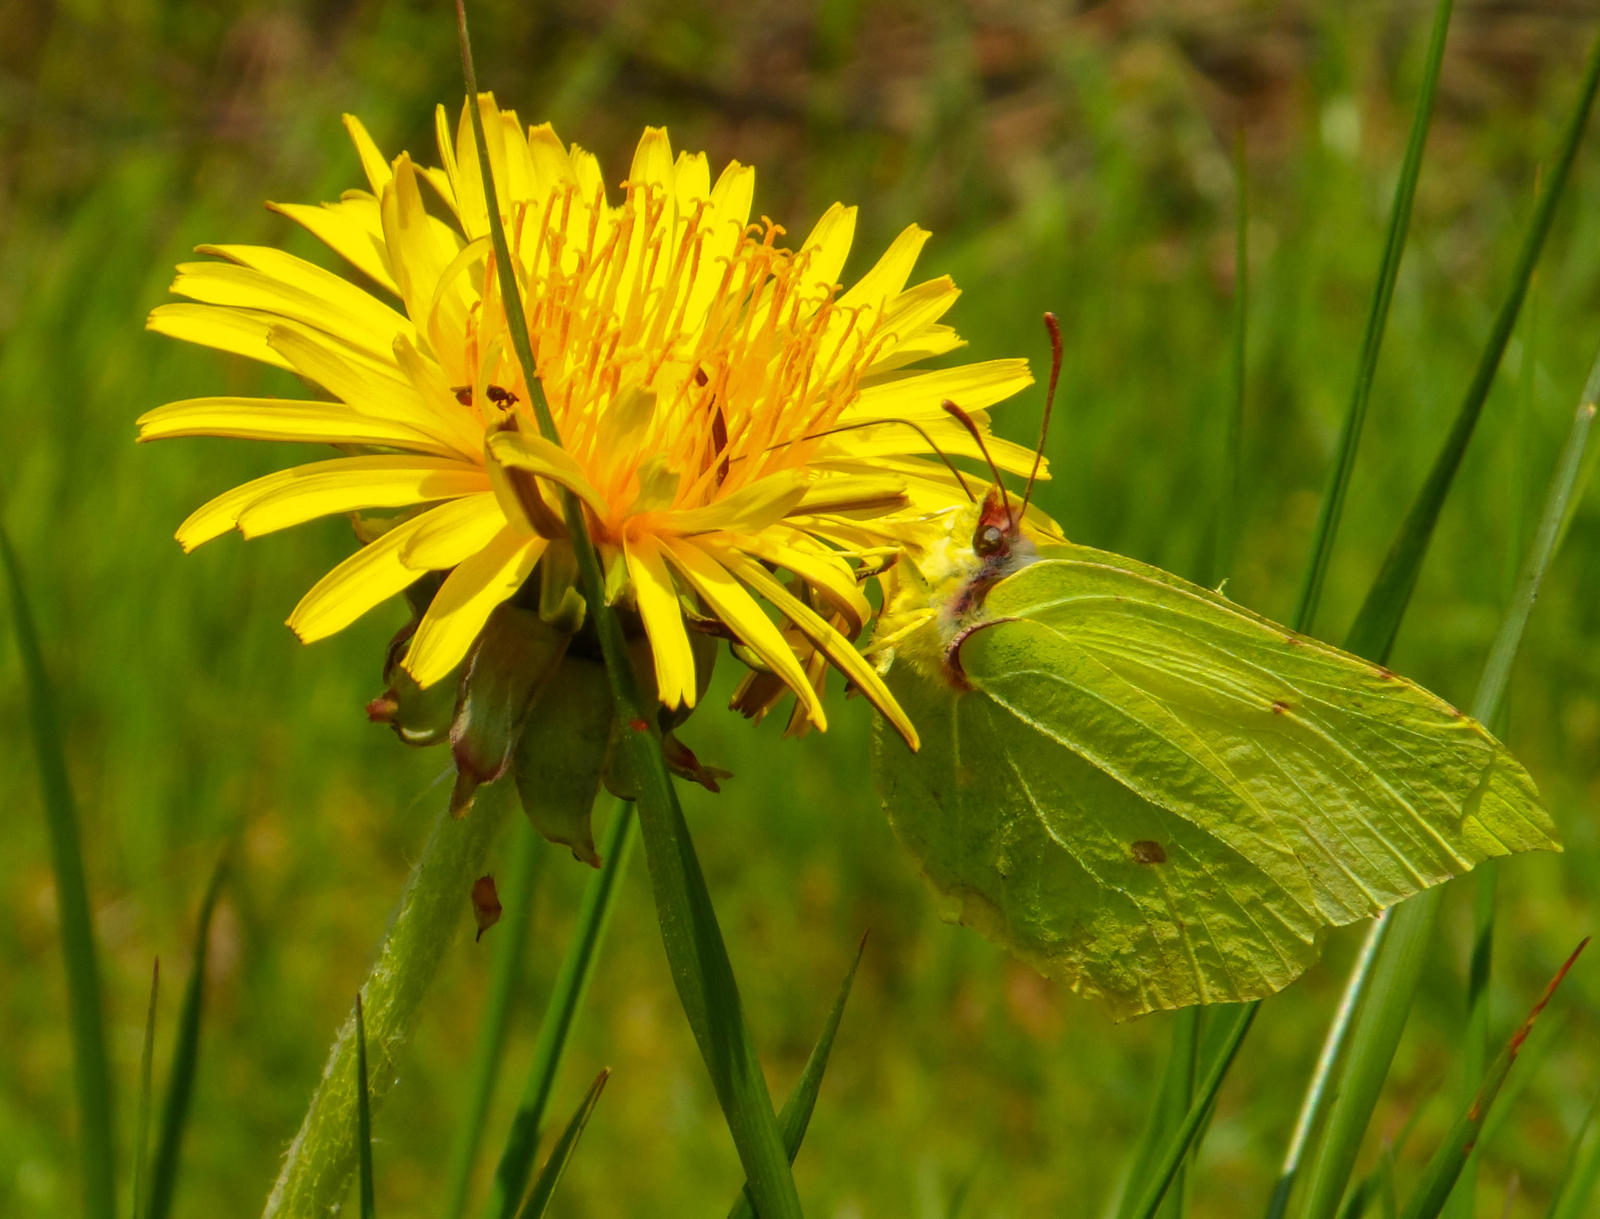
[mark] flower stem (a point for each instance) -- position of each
(316, 1172)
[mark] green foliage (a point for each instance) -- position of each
(1163, 798)
(1081, 171)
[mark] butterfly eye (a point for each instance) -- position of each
(990, 539)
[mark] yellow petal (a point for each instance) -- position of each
(888, 276)
(839, 650)
(378, 389)
(455, 530)
(242, 332)
(367, 578)
(281, 419)
(826, 249)
(465, 600)
(729, 601)
(372, 161)
(538, 456)
(355, 483)
(864, 493)
(747, 510)
(221, 514)
(353, 229)
(970, 386)
(652, 159)
(657, 598)
(823, 569)
(418, 251)
(264, 278)
(915, 309)
(936, 340)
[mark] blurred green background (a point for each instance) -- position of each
(1071, 160)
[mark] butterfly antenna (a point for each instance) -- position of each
(965, 420)
(1054, 327)
(866, 423)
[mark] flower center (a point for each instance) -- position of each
(683, 356)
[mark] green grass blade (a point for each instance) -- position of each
(1440, 1174)
(1228, 509)
(141, 1129)
(1405, 192)
(1173, 1099)
(561, 1010)
(1332, 1048)
(185, 1057)
(696, 953)
(1463, 1201)
(1177, 1146)
(369, 1205)
(1379, 619)
(561, 1153)
(796, 1114)
(1582, 1171)
(510, 946)
(1409, 926)
(91, 1072)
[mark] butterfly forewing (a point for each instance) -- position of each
(1162, 797)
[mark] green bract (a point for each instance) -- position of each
(1163, 798)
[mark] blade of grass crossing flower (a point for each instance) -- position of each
(1177, 1146)
(141, 1128)
(369, 1205)
(1440, 1174)
(1376, 620)
(505, 972)
(696, 953)
(561, 1153)
(185, 1055)
(796, 1114)
(316, 1173)
(1582, 1171)
(1409, 926)
(560, 1013)
(1377, 318)
(91, 1073)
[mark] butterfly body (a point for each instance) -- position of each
(1153, 793)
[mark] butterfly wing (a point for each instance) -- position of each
(1163, 798)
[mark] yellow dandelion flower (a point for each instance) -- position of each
(727, 410)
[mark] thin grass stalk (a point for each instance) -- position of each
(141, 1128)
(561, 1154)
(1401, 565)
(1177, 1147)
(90, 1070)
(317, 1169)
(1332, 1045)
(505, 973)
(366, 1190)
(1173, 1100)
(1229, 510)
(1394, 242)
(696, 953)
(1443, 1167)
(185, 1056)
(561, 1009)
(1406, 935)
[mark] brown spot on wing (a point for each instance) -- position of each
(1146, 851)
(1280, 708)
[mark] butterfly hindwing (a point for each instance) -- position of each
(1163, 798)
